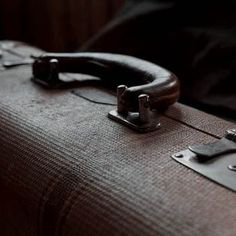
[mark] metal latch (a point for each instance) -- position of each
(216, 161)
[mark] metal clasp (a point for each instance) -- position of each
(145, 120)
(216, 161)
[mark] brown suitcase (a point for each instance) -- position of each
(66, 169)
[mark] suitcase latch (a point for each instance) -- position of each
(143, 121)
(216, 160)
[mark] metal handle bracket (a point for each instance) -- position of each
(145, 120)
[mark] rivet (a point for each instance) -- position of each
(179, 155)
(144, 109)
(120, 107)
(232, 167)
(54, 70)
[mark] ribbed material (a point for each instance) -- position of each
(66, 169)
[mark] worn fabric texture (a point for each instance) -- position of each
(66, 169)
(194, 39)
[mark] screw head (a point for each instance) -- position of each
(179, 155)
(232, 167)
(231, 135)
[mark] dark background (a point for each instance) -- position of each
(54, 25)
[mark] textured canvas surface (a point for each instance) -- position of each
(66, 169)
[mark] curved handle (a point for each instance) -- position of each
(141, 76)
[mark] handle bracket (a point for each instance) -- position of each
(143, 121)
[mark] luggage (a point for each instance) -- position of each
(66, 169)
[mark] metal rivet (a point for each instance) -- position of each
(54, 70)
(179, 155)
(232, 167)
(144, 109)
(120, 107)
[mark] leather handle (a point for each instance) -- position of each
(141, 77)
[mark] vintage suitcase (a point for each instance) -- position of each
(67, 169)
